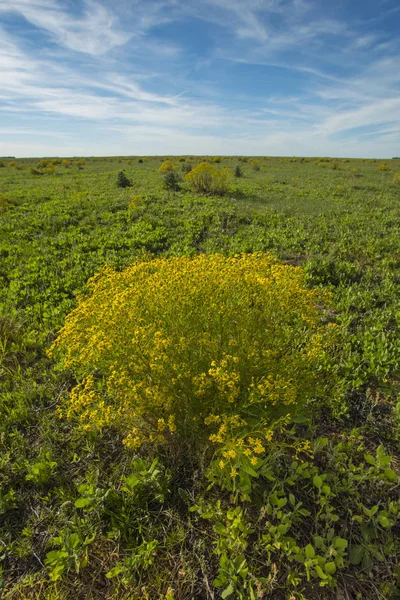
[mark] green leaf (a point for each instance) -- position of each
(292, 499)
(317, 481)
(228, 591)
(356, 555)
(383, 520)
(82, 502)
(310, 552)
(390, 474)
(219, 528)
(381, 456)
(369, 459)
(320, 572)
(330, 568)
(340, 543)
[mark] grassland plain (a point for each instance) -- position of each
(83, 516)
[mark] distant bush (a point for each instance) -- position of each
(187, 167)
(140, 161)
(384, 167)
(396, 179)
(2, 165)
(123, 181)
(255, 165)
(208, 179)
(65, 163)
(168, 346)
(182, 159)
(167, 166)
(36, 171)
(238, 171)
(12, 163)
(216, 159)
(171, 181)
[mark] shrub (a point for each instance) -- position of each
(208, 179)
(256, 165)
(65, 163)
(396, 179)
(167, 166)
(140, 161)
(238, 171)
(171, 181)
(12, 163)
(216, 159)
(2, 165)
(168, 346)
(384, 167)
(123, 181)
(187, 167)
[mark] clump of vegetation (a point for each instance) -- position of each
(171, 181)
(216, 159)
(396, 179)
(167, 166)
(383, 167)
(123, 181)
(210, 330)
(208, 179)
(255, 165)
(238, 171)
(187, 167)
(140, 161)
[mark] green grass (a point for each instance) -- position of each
(339, 219)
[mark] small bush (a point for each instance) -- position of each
(12, 163)
(140, 161)
(187, 167)
(2, 165)
(167, 166)
(171, 181)
(208, 179)
(216, 159)
(238, 171)
(255, 165)
(168, 346)
(384, 167)
(396, 179)
(123, 181)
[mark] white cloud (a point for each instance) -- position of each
(95, 32)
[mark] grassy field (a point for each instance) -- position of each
(83, 516)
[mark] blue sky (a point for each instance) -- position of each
(258, 77)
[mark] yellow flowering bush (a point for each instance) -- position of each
(168, 166)
(185, 350)
(208, 179)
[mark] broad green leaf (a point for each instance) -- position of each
(330, 568)
(310, 552)
(317, 481)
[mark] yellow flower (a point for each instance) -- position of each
(233, 473)
(221, 464)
